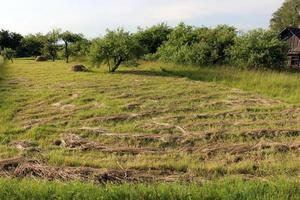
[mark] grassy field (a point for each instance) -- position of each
(225, 189)
(157, 123)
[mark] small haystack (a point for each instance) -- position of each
(41, 58)
(79, 68)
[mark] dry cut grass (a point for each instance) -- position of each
(144, 124)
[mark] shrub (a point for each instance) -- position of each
(198, 46)
(8, 54)
(152, 38)
(258, 48)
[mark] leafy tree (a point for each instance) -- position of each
(80, 48)
(152, 38)
(68, 38)
(51, 47)
(8, 54)
(177, 48)
(221, 39)
(258, 48)
(287, 15)
(116, 47)
(32, 45)
(9, 39)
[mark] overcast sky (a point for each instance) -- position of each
(92, 17)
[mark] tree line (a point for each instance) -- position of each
(183, 44)
(55, 44)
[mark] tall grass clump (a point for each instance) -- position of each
(1, 61)
(1, 65)
(269, 83)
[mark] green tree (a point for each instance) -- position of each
(10, 39)
(80, 49)
(152, 38)
(8, 54)
(68, 37)
(32, 45)
(258, 49)
(116, 47)
(51, 47)
(287, 15)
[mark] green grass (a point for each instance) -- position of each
(223, 189)
(204, 123)
(279, 85)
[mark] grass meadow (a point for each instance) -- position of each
(156, 131)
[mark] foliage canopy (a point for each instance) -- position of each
(287, 15)
(114, 48)
(258, 48)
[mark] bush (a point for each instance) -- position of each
(152, 38)
(8, 54)
(258, 48)
(198, 46)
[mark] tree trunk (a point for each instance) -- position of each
(67, 52)
(115, 67)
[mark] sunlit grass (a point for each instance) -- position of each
(279, 85)
(59, 102)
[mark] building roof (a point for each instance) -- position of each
(290, 31)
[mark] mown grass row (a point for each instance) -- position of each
(274, 84)
(230, 188)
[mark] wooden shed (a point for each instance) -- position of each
(292, 36)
